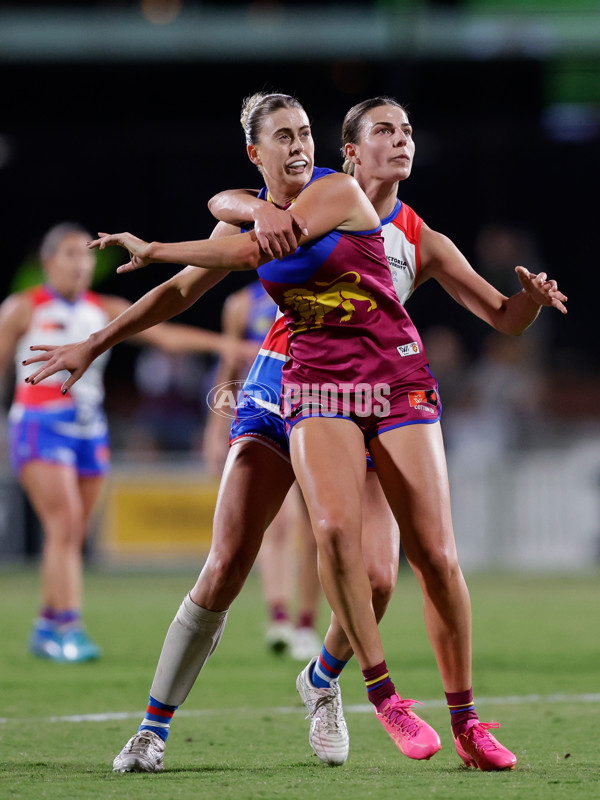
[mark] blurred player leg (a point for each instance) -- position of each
(64, 510)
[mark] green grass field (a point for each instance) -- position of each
(242, 733)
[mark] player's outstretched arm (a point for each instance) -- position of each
(335, 202)
(159, 304)
(442, 260)
(239, 252)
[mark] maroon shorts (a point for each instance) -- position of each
(411, 400)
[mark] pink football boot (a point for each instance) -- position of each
(413, 737)
(478, 748)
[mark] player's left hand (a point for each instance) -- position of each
(75, 358)
(138, 249)
(542, 291)
(278, 231)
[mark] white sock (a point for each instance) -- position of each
(190, 641)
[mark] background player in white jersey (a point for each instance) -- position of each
(378, 149)
(59, 442)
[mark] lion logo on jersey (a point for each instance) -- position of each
(311, 307)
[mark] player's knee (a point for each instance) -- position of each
(65, 525)
(440, 564)
(336, 541)
(383, 581)
(227, 572)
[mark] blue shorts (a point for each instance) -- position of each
(254, 422)
(257, 423)
(56, 437)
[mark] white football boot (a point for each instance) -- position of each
(144, 752)
(328, 735)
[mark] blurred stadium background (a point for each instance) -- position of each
(124, 115)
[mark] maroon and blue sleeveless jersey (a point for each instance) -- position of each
(344, 320)
(263, 381)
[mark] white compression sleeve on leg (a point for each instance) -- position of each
(191, 639)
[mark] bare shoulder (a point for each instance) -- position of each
(18, 301)
(431, 236)
(434, 244)
(334, 182)
(16, 311)
(336, 201)
(344, 187)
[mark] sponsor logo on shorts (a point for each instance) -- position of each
(224, 398)
(310, 407)
(423, 400)
(410, 349)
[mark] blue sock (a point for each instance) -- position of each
(158, 718)
(326, 669)
(46, 620)
(68, 617)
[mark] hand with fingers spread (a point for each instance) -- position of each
(138, 249)
(541, 290)
(75, 358)
(278, 231)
